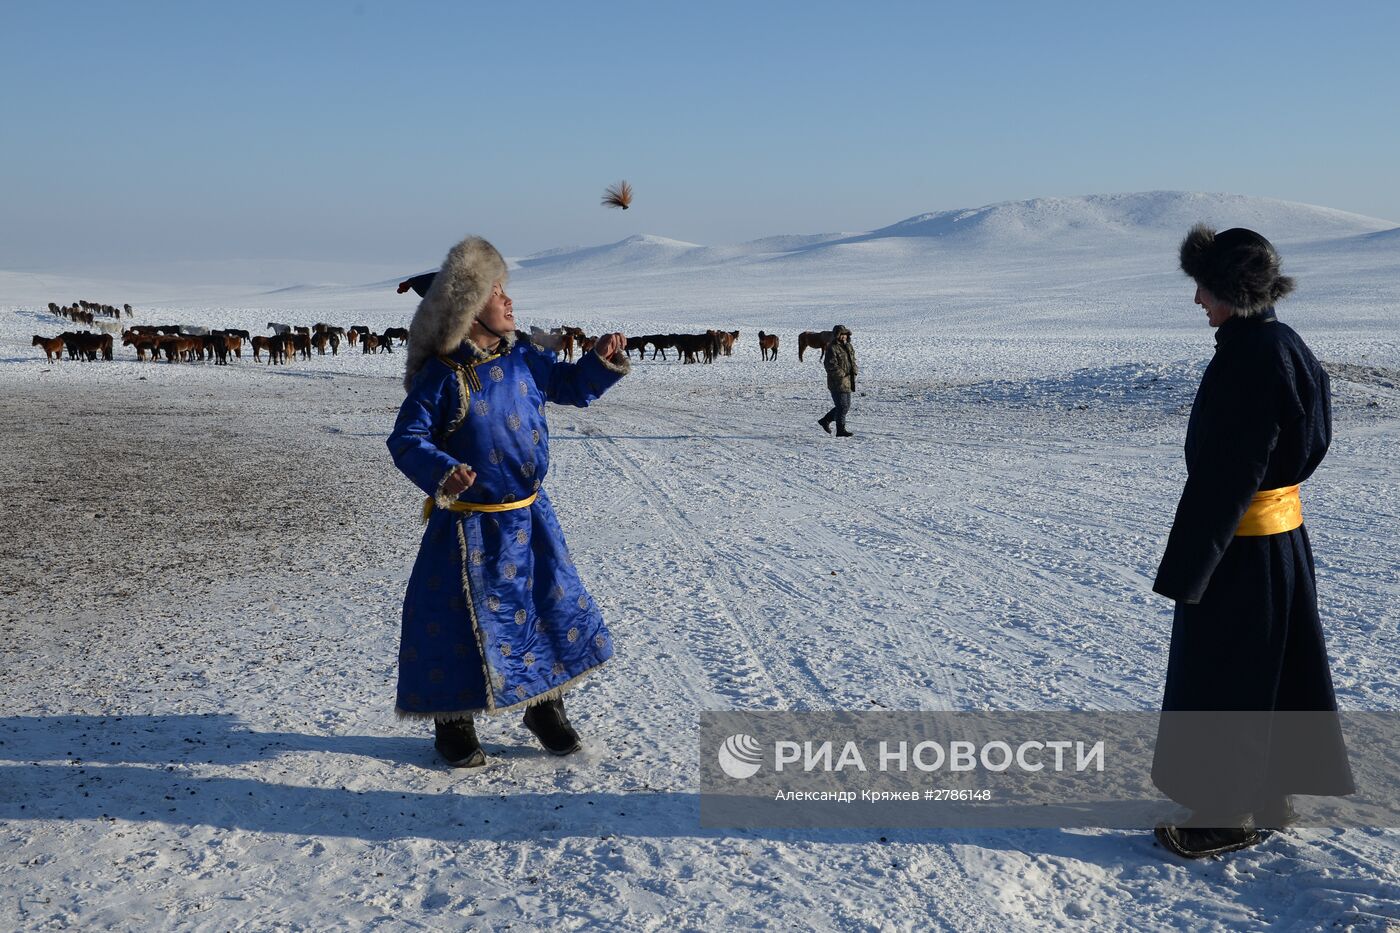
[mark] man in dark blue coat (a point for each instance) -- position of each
(1246, 637)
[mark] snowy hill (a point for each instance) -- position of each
(1149, 214)
(1113, 223)
(1075, 263)
(1144, 227)
(641, 250)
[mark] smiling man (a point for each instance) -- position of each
(495, 617)
(1246, 636)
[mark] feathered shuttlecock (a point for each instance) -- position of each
(618, 195)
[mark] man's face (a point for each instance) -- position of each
(499, 314)
(1217, 312)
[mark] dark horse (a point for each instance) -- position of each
(820, 339)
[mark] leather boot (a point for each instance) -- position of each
(551, 726)
(1198, 838)
(457, 743)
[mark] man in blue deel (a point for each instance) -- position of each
(1247, 642)
(495, 617)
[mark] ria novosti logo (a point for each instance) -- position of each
(740, 756)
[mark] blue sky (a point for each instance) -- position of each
(369, 131)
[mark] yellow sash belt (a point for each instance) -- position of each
(1271, 512)
(481, 506)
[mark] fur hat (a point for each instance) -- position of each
(838, 329)
(458, 292)
(1238, 266)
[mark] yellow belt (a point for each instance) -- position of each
(480, 506)
(1271, 512)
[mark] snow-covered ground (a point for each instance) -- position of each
(203, 569)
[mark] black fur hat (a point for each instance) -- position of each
(1238, 266)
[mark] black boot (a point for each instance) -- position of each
(1199, 842)
(842, 432)
(551, 726)
(825, 422)
(456, 741)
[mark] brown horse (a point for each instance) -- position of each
(768, 343)
(189, 348)
(818, 339)
(144, 343)
(53, 346)
(301, 343)
(283, 347)
(572, 336)
(181, 348)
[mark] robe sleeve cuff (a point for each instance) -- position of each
(619, 363)
(441, 499)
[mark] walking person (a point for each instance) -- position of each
(1246, 637)
(495, 617)
(840, 363)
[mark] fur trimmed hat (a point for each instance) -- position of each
(1238, 266)
(458, 292)
(838, 329)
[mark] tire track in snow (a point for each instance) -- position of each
(958, 893)
(1030, 591)
(916, 537)
(867, 616)
(718, 649)
(763, 646)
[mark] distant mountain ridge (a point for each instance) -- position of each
(1145, 212)
(1068, 231)
(1105, 221)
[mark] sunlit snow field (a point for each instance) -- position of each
(204, 565)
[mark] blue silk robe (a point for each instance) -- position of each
(495, 615)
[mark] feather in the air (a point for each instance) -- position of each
(618, 195)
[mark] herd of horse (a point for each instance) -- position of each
(689, 348)
(187, 343)
(86, 312)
